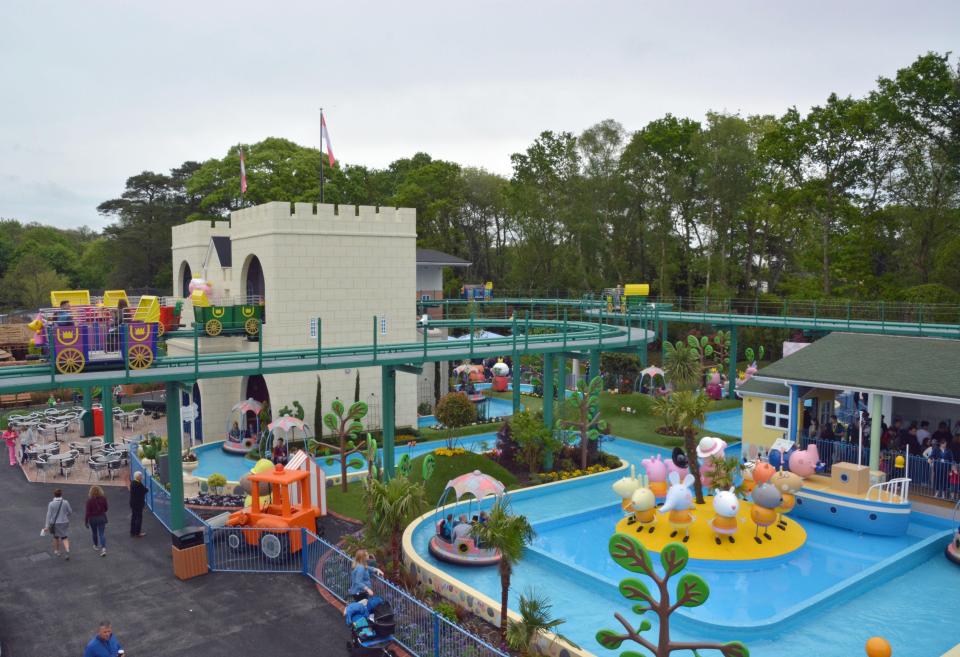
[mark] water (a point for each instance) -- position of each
(570, 564)
(729, 423)
(495, 407)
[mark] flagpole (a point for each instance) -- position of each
(321, 155)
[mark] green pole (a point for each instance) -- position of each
(732, 369)
(876, 408)
(388, 394)
(561, 378)
(594, 364)
(664, 336)
(548, 381)
(515, 370)
(374, 338)
(107, 403)
(174, 447)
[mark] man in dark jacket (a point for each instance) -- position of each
(138, 495)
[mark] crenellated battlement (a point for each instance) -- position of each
(198, 233)
(323, 218)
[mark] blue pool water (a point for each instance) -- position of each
(729, 423)
(496, 407)
(569, 563)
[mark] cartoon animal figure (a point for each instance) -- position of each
(762, 472)
(656, 475)
(678, 462)
(805, 462)
(625, 487)
(766, 498)
(746, 472)
(708, 449)
(643, 504)
(500, 368)
(726, 504)
(37, 326)
(678, 503)
(714, 389)
(787, 483)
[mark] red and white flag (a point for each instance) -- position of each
(325, 136)
(243, 174)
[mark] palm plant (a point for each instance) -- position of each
(535, 622)
(393, 505)
(508, 534)
(682, 365)
(691, 412)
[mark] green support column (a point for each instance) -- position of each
(174, 449)
(561, 378)
(594, 365)
(876, 409)
(88, 412)
(388, 400)
(732, 369)
(515, 382)
(664, 336)
(87, 399)
(548, 381)
(107, 403)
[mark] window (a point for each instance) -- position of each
(776, 415)
(425, 297)
(383, 326)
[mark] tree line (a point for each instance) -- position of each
(857, 198)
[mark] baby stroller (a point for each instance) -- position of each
(371, 627)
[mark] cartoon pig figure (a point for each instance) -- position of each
(766, 499)
(678, 503)
(726, 504)
(656, 475)
(804, 463)
(643, 505)
(787, 483)
(708, 449)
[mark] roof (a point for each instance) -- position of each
(439, 258)
(224, 251)
(761, 388)
(903, 366)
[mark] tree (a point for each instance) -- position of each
(28, 283)
(681, 364)
(691, 591)
(585, 408)
(533, 438)
(535, 623)
(345, 429)
(455, 410)
(393, 504)
(690, 410)
(508, 534)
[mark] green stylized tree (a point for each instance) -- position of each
(691, 591)
(345, 428)
(585, 408)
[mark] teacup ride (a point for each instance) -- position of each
(473, 487)
(244, 442)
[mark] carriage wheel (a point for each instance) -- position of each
(252, 326)
(213, 327)
(139, 356)
(160, 329)
(70, 361)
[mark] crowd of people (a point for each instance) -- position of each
(452, 530)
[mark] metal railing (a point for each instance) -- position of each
(893, 491)
(158, 498)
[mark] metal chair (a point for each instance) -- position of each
(67, 465)
(41, 465)
(97, 467)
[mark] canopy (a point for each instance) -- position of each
(477, 484)
(481, 335)
(286, 422)
(651, 371)
(249, 405)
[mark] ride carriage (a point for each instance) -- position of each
(463, 550)
(106, 333)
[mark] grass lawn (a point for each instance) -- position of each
(428, 433)
(348, 504)
(449, 467)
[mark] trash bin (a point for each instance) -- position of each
(87, 418)
(97, 421)
(189, 553)
(187, 537)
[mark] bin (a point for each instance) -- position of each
(87, 418)
(189, 562)
(98, 421)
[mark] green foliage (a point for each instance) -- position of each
(584, 411)
(455, 410)
(533, 437)
(691, 591)
(535, 622)
(393, 505)
(216, 481)
(682, 364)
(447, 610)
(345, 427)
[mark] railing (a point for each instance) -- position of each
(158, 498)
(893, 491)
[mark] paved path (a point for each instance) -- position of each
(50, 607)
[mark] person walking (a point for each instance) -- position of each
(10, 437)
(27, 439)
(104, 643)
(138, 496)
(95, 519)
(118, 394)
(58, 523)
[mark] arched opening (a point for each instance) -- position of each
(254, 287)
(189, 423)
(256, 388)
(185, 277)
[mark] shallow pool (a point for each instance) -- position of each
(729, 422)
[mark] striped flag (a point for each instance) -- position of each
(243, 173)
(325, 137)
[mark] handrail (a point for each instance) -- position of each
(897, 491)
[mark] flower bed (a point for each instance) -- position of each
(563, 475)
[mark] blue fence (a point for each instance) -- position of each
(420, 630)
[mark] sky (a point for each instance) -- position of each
(93, 92)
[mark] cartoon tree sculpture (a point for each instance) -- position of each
(345, 429)
(691, 591)
(753, 357)
(585, 408)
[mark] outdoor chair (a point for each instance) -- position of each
(40, 463)
(97, 467)
(113, 467)
(68, 464)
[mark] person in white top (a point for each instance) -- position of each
(923, 432)
(462, 530)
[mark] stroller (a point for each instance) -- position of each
(371, 626)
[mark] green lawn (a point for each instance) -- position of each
(348, 504)
(449, 467)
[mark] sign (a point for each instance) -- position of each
(781, 445)
(312, 329)
(383, 325)
(188, 413)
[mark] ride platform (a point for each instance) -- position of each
(702, 543)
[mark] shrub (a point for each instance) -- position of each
(447, 610)
(216, 482)
(424, 408)
(455, 410)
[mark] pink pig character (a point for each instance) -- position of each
(656, 475)
(673, 467)
(804, 463)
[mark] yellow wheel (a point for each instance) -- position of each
(252, 326)
(160, 329)
(213, 327)
(70, 361)
(139, 356)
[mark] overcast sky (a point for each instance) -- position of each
(92, 92)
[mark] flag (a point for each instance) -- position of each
(325, 137)
(243, 174)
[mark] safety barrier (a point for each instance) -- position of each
(158, 498)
